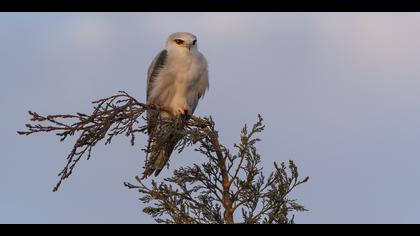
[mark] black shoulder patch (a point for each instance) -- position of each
(160, 62)
(158, 65)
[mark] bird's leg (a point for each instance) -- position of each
(182, 111)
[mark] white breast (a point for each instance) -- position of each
(183, 70)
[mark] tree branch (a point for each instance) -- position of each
(207, 193)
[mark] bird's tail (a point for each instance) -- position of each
(162, 141)
(157, 162)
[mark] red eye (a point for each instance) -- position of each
(179, 41)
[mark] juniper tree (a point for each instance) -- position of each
(226, 187)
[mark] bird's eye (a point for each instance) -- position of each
(179, 41)
(194, 42)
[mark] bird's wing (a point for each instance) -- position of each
(155, 67)
(203, 84)
(160, 150)
(199, 88)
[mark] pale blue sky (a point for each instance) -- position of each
(340, 94)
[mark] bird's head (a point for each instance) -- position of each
(182, 41)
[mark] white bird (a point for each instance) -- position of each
(177, 79)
